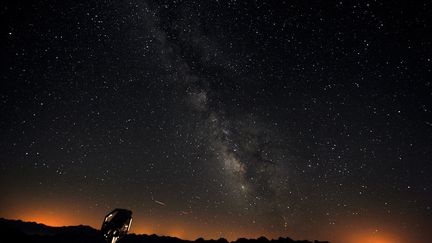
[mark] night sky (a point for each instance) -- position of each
(220, 118)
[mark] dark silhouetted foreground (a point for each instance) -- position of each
(19, 231)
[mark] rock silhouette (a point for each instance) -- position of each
(29, 232)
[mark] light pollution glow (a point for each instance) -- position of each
(64, 214)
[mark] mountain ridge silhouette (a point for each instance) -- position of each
(32, 232)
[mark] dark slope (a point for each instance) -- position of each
(19, 231)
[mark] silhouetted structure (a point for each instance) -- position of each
(116, 224)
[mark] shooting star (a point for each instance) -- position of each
(160, 203)
(183, 213)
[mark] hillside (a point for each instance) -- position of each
(30, 232)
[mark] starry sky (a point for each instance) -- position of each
(212, 119)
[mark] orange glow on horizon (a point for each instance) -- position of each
(373, 237)
(47, 217)
(187, 233)
(67, 213)
(49, 220)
